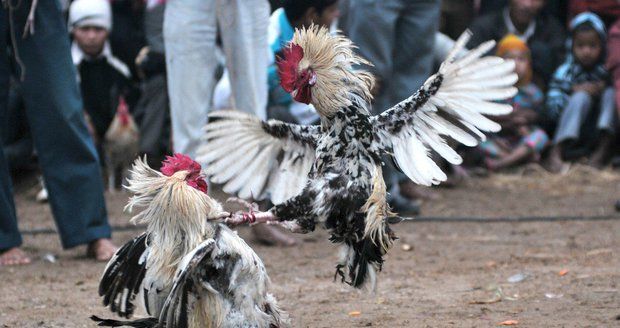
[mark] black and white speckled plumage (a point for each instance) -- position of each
(341, 161)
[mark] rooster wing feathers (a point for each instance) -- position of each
(451, 103)
(256, 159)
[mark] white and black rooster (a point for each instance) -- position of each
(188, 271)
(332, 174)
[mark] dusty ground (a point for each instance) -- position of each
(451, 266)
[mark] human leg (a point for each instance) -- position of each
(66, 152)
(568, 128)
(189, 35)
(606, 125)
(243, 25)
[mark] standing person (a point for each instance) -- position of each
(397, 37)
(66, 152)
(190, 30)
(525, 18)
(579, 87)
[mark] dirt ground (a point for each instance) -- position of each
(456, 274)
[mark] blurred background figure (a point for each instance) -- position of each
(580, 97)
(65, 150)
(190, 30)
(153, 109)
(542, 32)
(520, 140)
(105, 83)
(394, 36)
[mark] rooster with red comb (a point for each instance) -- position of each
(190, 271)
(331, 175)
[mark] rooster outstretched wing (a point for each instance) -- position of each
(451, 103)
(254, 159)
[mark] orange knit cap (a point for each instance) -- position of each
(511, 42)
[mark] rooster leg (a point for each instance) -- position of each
(250, 217)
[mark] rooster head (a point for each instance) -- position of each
(320, 68)
(296, 80)
(179, 162)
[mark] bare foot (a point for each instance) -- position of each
(271, 235)
(14, 256)
(101, 249)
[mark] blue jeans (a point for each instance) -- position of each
(53, 104)
(397, 37)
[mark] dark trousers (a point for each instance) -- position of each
(54, 111)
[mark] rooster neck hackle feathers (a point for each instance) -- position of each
(175, 213)
(332, 59)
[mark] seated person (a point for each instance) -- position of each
(580, 89)
(282, 24)
(520, 139)
(103, 78)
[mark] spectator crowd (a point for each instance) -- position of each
(165, 64)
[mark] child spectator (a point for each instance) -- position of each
(580, 88)
(103, 78)
(520, 139)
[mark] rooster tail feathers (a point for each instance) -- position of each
(362, 258)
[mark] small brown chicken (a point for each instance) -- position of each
(120, 145)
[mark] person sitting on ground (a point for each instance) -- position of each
(520, 139)
(102, 77)
(580, 89)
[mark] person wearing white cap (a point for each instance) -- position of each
(102, 77)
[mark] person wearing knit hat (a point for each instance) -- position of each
(520, 139)
(580, 89)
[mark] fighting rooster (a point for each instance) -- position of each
(332, 174)
(191, 272)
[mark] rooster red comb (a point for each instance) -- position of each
(179, 162)
(288, 65)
